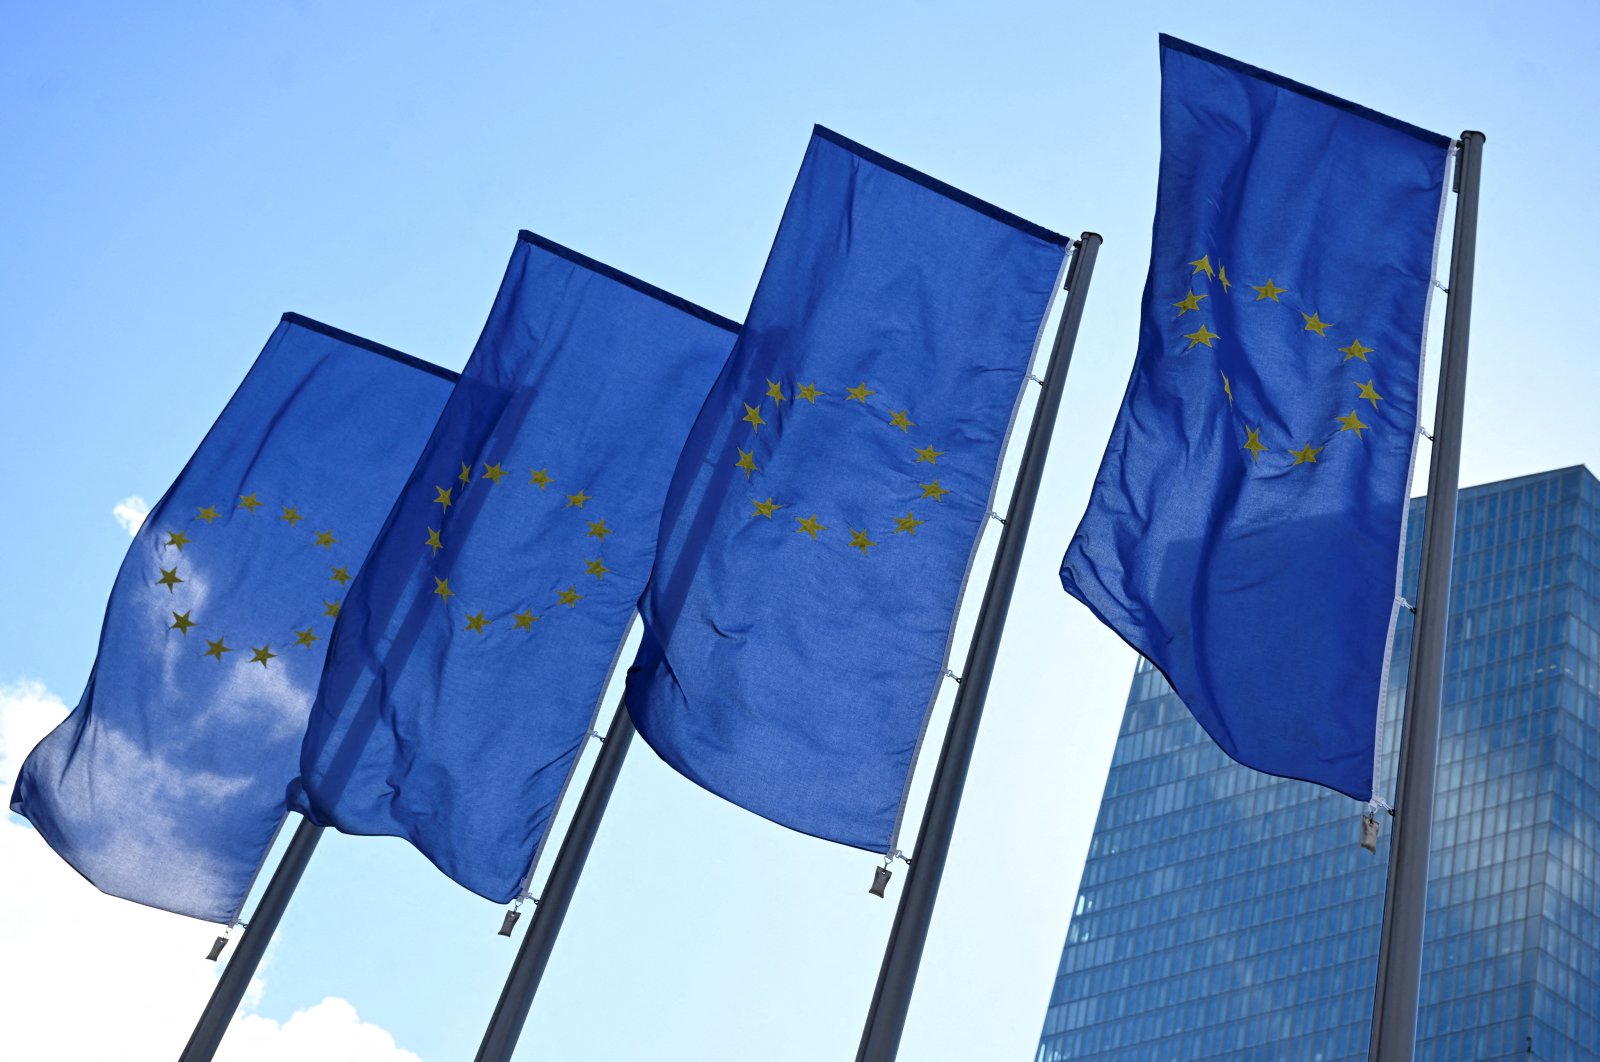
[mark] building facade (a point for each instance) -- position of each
(1225, 914)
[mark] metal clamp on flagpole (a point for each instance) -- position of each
(891, 1000)
(1394, 1007)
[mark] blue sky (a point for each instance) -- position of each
(175, 176)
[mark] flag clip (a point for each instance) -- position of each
(216, 948)
(1425, 433)
(510, 920)
(952, 675)
(996, 516)
(1035, 378)
(1369, 823)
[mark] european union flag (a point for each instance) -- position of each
(827, 506)
(166, 784)
(1244, 530)
(469, 661)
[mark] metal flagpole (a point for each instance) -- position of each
(880, 1040)
(516, 998)
(235, 979)
(1394, 1004)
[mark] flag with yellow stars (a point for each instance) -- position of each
(1245, 526)
(470, 658)
(826, 509)
(166, 784)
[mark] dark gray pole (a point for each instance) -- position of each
(880, 1040)
(516, 998)
(1394, 1003)
(235, 979)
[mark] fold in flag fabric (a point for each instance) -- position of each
(167, 783)
(469, 661)
(1244, 530)
(827, 506)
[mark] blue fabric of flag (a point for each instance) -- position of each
(166, 784)
(828, 503)
(1244, 529)
(469, 661)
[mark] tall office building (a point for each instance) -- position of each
(1225, 914)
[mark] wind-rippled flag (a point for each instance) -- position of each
(469, 661)
(166, 784)
(828, 503)
(1244, 531)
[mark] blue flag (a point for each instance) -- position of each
(167, 783)
(469, 661)
(827, 505)
(1244, 530)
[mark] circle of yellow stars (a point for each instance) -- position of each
(480, 621)
(247, 506)
(1312, 324)
(810, 525)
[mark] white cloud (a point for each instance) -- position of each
(86, 975)
(329, 1030)
(130, 513)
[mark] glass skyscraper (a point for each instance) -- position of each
(1225, 914)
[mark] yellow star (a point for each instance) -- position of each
(1355, 350)
(181, 622)
(325, 539)
(809, 525)
(1269, 290)
(306, 637)
(248, 501)
(902, 421)
(433, 540)
(596, 567)
(747, 461)
(1353, 423)
(934, 491)
(907, 523)
(1253, 443)
(775, 392)
(169, 579)
(177, 538)
(810, 393)
(477, 623)
(570, 597)
(1202, 265)
(262, 655)
(1222, 275)
(860, 541)
(540, 476)
(493, 473)
(1227, 387)
(526, 620)
(858, 393)
(766, 508)
(465, 475)
(1191, 302)
(208, 514)
(1306, 456)
(599, 530)
(752, 416)
(1369, 393)
(216, 649)
(575, 501)
(1316, 324)
(442, 496)
(330, 608)
(929, 454)
(291, 513)
(441, 588)
(341, 574)
(1201, 338)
